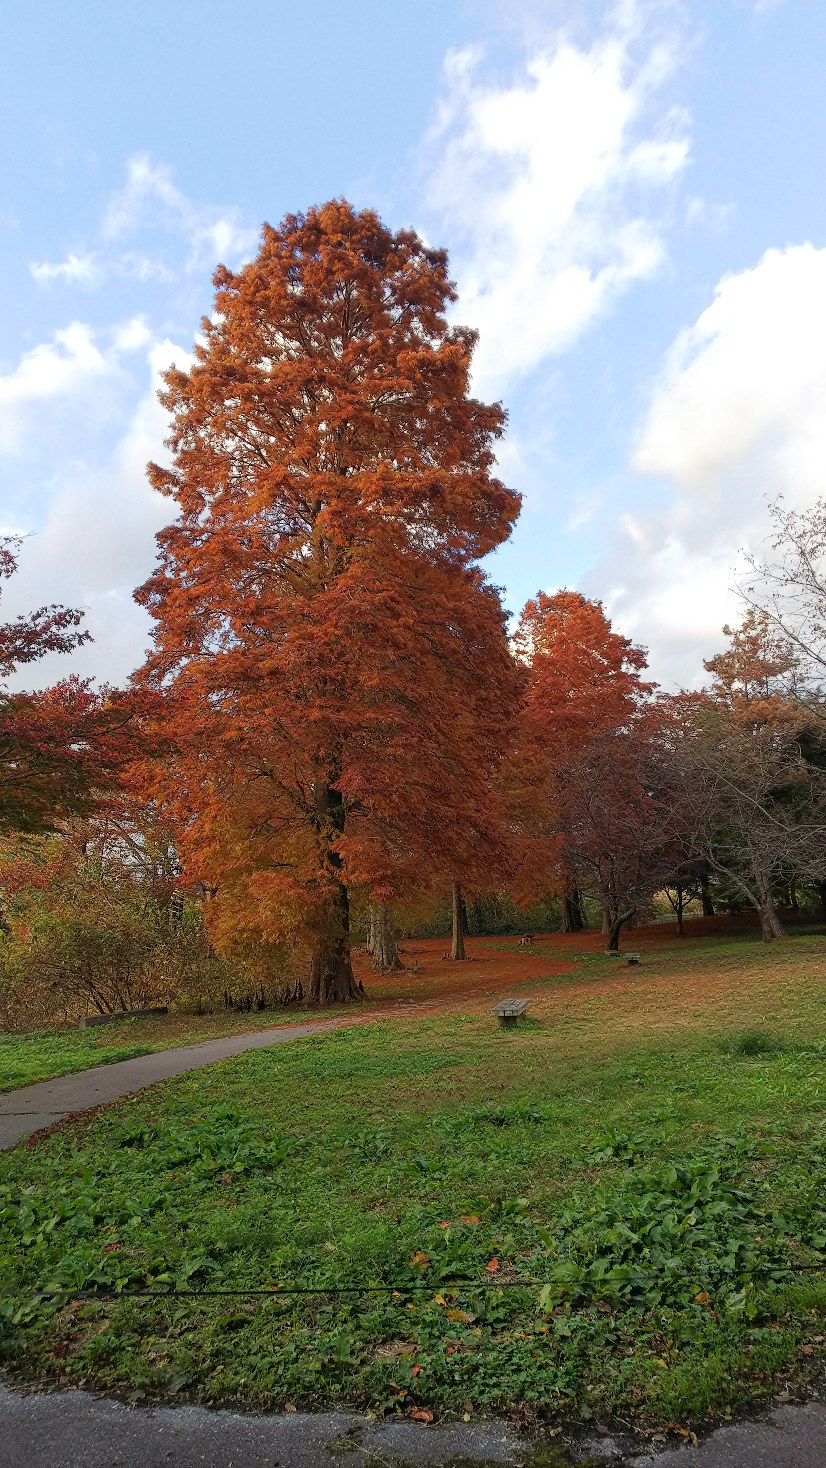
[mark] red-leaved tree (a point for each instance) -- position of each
(59, 748)
(338, 677)
(589, 783)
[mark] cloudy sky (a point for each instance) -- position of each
(632, 196)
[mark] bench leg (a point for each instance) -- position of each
(507, 1021)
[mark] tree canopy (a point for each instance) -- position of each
(335, 662)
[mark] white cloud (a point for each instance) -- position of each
(78, 367)
(96, 542)
(551, 185)
(62, 367)
(735, 419)
(76, 412)
(703, 214)
(78, 269)
(151, 199)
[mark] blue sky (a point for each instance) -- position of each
(632, 198)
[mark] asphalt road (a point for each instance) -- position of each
(76, 1430)
(30, 1108)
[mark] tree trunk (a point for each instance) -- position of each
(291, 993)
(606, 919)
(331, 972)
(770, 924)
(678, 907)
(384, 950)
(459, 924)
(371, 929)
(573, 920)
(705, 898)
(614, 926)
(793, 902)
(821, 892)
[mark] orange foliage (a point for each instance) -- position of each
(336, 669)
(580, 770)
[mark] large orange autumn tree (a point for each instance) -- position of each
(335, 662)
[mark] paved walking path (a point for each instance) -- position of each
(32, 1107)
(65, 1429)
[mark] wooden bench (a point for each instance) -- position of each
(509, 1011)
(632, 957)
(525, 941)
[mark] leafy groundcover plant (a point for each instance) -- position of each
(479, 1221)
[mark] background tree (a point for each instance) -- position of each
(751, 762)
(584, 762)
(789, 592)
(336, 663)
(59, 747)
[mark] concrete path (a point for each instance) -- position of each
(32, 1107)
(67, 1429)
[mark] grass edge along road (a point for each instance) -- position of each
(664, 1181)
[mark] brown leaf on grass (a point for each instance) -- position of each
(493, 1266)
(419, 1258)
(422, 1415)
(395, 1348)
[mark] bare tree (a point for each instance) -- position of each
(789, 590)
(750, 761)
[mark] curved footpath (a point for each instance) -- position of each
(30, 1108)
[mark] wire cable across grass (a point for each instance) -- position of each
(282, 1291)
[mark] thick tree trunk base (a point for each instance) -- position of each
(383, 947)
(770, 925)
(333, 982)
(387, 962)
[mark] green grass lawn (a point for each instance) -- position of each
(44, 1054)
(25, 1059)
(583, 1216)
